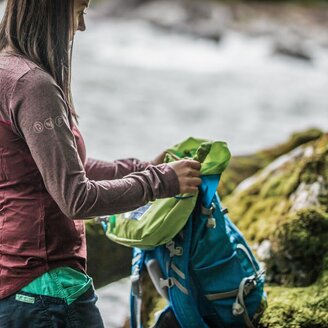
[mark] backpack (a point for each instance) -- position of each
(206, 271)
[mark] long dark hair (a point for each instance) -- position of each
(40, 30)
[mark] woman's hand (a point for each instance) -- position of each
(188, 172)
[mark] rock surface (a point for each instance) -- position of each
(242, 167)
(107, 261)
(284, 208)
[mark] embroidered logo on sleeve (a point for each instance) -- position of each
(38, 127)
(49, 123)
(59, 121)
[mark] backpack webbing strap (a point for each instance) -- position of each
(136, 290)
(249, 286)
(135, 306)
(170, 282)
(156, 276)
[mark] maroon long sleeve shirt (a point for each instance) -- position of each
(46, 180)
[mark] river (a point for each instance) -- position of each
(139, 90)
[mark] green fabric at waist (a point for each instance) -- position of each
(65, 282)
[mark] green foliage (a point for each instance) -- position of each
(298, 307)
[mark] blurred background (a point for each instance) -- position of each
(149, 73)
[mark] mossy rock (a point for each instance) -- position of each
(305, 307)
(298, 248)
(285, 206)
(242, 167)
(107, 261)
(278, 189)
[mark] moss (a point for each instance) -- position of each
(298, 307)
(298, 248)
(159, 304)
(93, 229)
(107, 261)
(259, 220)
(242, 167)
(288, 205)
(149, 307)
(296, 139)
(282, 183)
(260, 207)
(314, 168)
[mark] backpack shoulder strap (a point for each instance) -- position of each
(182, 294)
(138, 260)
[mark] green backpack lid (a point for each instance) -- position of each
(160, 221)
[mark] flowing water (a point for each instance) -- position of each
(139, 90)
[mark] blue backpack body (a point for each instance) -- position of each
(207, 273)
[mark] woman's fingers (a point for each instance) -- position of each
(194, 181)
(194, 173)
(194, 164)
(188, 172)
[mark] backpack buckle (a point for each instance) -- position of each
(249, 286)
(224, 211)
(211, 222)
(174, 251)
(166, 283)
(208, 211)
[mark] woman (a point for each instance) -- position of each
(47, 184)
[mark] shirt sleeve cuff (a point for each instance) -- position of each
(172, 186)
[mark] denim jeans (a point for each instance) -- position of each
(25, 310)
